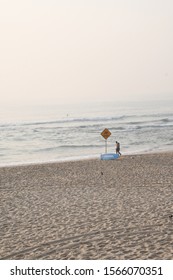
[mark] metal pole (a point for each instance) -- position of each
(105, 146)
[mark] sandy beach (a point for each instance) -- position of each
(90, 209)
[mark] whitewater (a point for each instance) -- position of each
(35, 134)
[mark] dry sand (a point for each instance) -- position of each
(88, 209)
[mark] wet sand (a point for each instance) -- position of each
(90, 209)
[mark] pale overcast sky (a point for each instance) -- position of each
(58, 51)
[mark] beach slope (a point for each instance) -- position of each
(90, 209)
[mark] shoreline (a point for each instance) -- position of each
(82, 158)
(88, 209)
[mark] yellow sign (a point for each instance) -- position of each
(106, 133)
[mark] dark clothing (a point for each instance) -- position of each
(118, 148)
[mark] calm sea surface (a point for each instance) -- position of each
(56, 133)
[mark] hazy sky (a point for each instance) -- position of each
(56, 51)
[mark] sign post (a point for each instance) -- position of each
(106, 133)
(106, 146)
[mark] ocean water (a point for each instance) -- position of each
(69, 132)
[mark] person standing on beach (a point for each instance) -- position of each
(118, 148)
